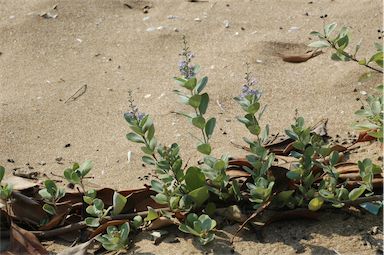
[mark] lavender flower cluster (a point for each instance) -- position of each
(246, 88)
(185, 67)
(134, 112)
(135, 115)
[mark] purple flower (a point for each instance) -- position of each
(185, 67)
(134, 114)
(246, 88)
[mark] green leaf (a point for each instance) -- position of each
(194, 178)
(151, 132)
(137, 221)
(135, 138)
(198, 122)
(74, 178)
(51, 187)
(45, 194)
(204, 148)
(187, 229)
(2, 172)
(334, 158)
(209, 127)
(328, 29)
(194, 101)
(210, 208)
(180, 80)
(148, 160)
(99, 204)
(201, 85)
(199, 195)
(204, 103)
(124, 231)
(206, 222)
(204, 241)
(160, 198)
(190, 84)
(85, 167)
(253, 108)
(92, 222)
(67, 174)
(119, 202)
(294, 174)
(362, 61)
(156, 186)
(319, 44)
(356, 192)
(49, 209)
(152, 214)
(88, 200)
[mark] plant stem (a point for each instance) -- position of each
(352, 57)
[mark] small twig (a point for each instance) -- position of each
(81, 224)
(260, 209)
(78, 93)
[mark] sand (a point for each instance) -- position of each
(113, 48)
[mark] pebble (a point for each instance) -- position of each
(226, 23)
(146, 18)
(109, 89)
(160, 27)
(363, 92)
(237, 33)
(79, 40)
(197, 19)
(171, 17)
(175, 29)
(129, 154)
(151, 29)
(59, 158)
(293, 29)
(259, 61)
(147, 96)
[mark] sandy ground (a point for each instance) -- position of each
(113, 48)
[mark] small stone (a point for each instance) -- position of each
(197, 19)
(147, 96)
(293, 29)
(259, 61)
(175, 29)
(146, 18)
(355, 90)
(374, 230)
(59, 158)
(151, 29)
(242, 28)
(363, 92)
(226, 23)
(109, 89)
(171, 17)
